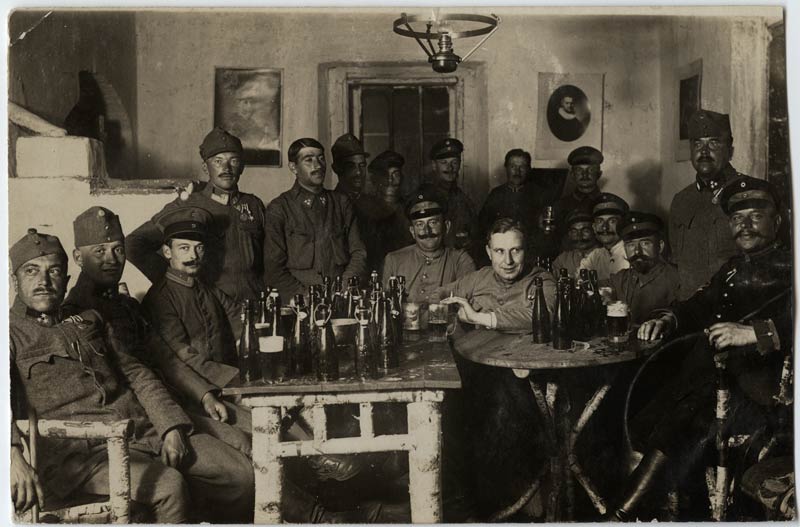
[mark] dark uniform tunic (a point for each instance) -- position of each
(70, 370)
(199, 322)
(645, 292)
(699, 235)
(425, 273)
(575, 201)
(310, 235)
(129, 325)
(461, 213)
(383, 228)
(681, 417)
(234, 252)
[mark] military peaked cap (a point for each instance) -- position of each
(636, 224)
(585, 155)
(610, 204)
(425, 202)
(447, 148)
(189, 223)
(748, 193)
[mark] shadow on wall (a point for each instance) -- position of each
(644, 186)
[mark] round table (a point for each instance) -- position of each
(519, 353)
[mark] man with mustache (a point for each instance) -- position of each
(100, 253)
(585, 170)
(676, 427)
(235, 262)
(198, 322)
(72, 368)
(650, 282)
(609, 258)
(698, 229)
(311, 232)
(428, 263)
(579, 242)
(446, 163)
(503, 422)
(381, 220)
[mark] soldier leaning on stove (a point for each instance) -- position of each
(678, 424)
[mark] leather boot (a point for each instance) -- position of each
(638, 484)
(300, 507)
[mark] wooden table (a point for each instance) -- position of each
(426, 370)
(519, 353)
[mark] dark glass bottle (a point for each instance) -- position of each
(562, 339)
(540, 315)
(327, 362)
(374, 281)
(365, 353)
(339, 301)
(327, 290)
(598, 309)
(261, 313)
(353, 294)
(583, 317)
(299, 351)
(274, 354)
(248, 347)
(386, 348)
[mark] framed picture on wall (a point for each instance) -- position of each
(247, 103)
(690, 79)
(570, 113)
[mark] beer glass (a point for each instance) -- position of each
(618, 322)
(441, 321)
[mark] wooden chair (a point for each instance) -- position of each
(84, 509)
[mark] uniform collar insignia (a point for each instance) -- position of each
(180, 278)
(224, 197)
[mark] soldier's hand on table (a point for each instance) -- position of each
(174, 448)
(726, 334)
(652, 329)
(25, 487)
(214, 408)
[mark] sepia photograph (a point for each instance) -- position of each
(398, 265)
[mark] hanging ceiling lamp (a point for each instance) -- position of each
(439, 28)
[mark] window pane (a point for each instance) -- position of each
(436, 110)
(406, 133)
(375, 110)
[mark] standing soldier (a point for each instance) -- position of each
(446, 159)
(311, 231)
(236, 244)
(350, 164)
(698, 229)
(585, 168)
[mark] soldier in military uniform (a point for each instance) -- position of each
(609, 258)
(350, 164)
(100, 253)
(311, 231)
(70, 368)
(678, 424)
(502, 419)
(381, 218)
(428, 263)
(461, 213)
(698, 229)
(650, 283)
(198, 321)
(585, 162)
(579, 242)
(236, 247)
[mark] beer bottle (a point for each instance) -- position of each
(248, 347)
(299, 350)
(352, 296)
(374, 304)
(364, 357)
(387, 352)
(562, 339)
(374, 281)
(326, 289)
(273, 348)
(541, 316)
(259, 314)
(313, 301)
(584, 311)
(327, 362)
(599, 310)
(339, 302)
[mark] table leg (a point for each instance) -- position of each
(267, 465)
(424, 462)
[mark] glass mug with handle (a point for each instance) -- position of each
(442, 320)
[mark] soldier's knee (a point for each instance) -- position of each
(170, 497)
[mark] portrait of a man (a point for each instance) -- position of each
(248, 105)
(568, 113)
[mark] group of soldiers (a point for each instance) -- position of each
(164, 362)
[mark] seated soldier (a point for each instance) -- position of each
(610, 257)
(504, 423)
(100, 253)
(85, 375)
(427, 264)
(650, 282)
(579, 242)
(675, 428)
(198, 322)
